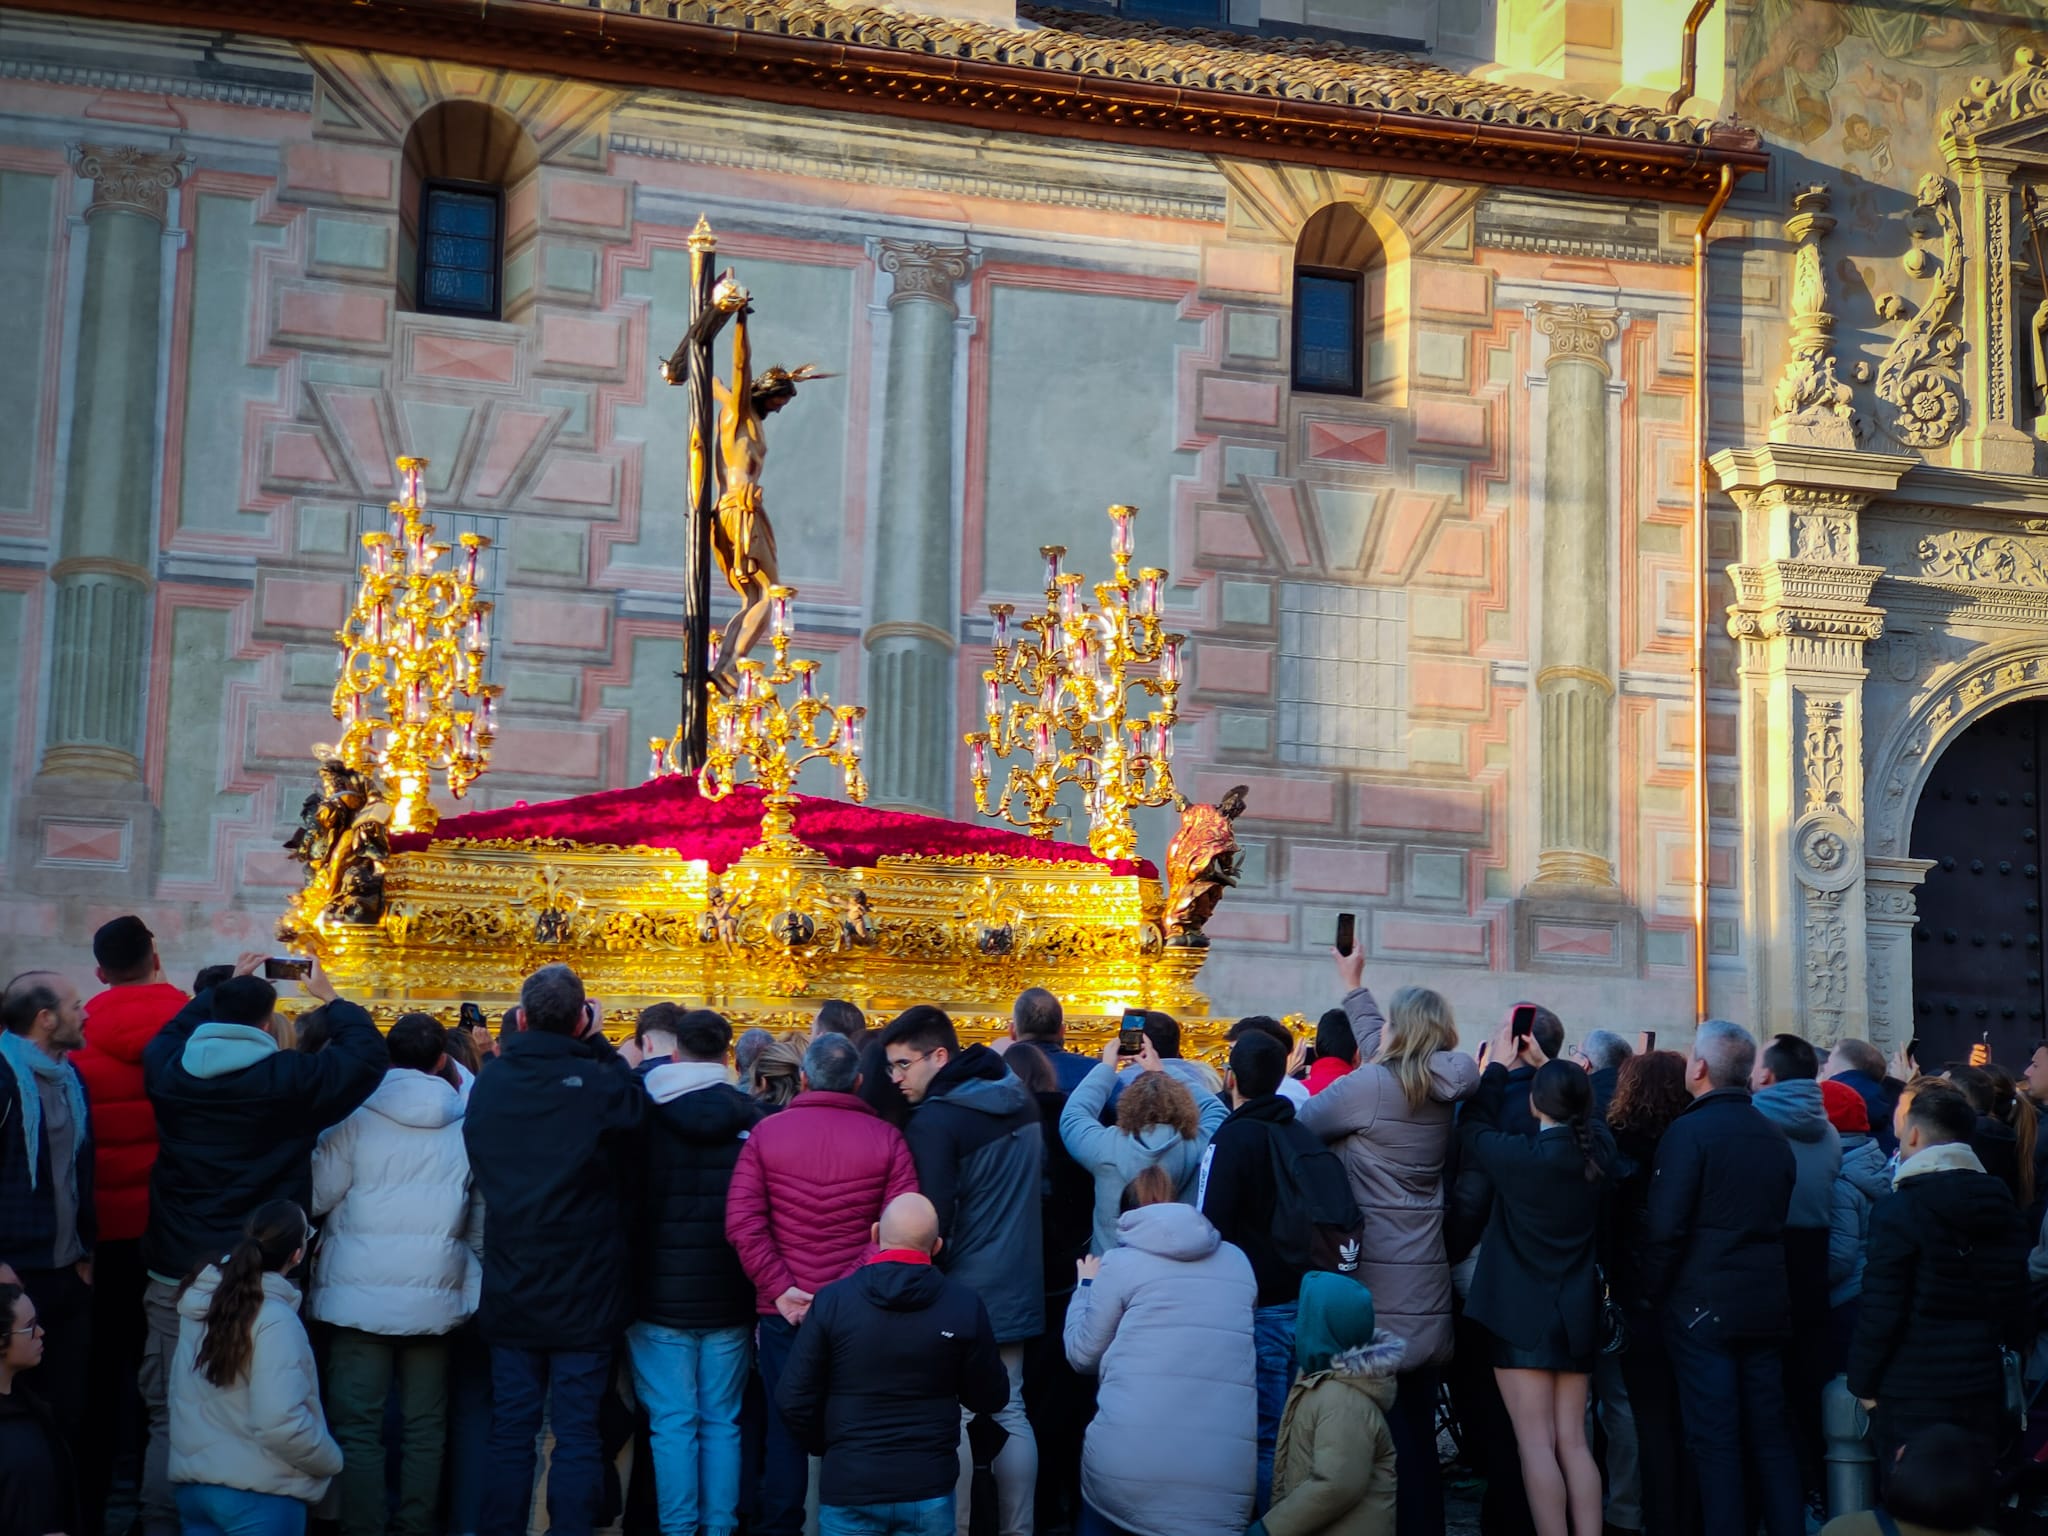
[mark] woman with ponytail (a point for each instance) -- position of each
(1537, 1286)
(249, 1444)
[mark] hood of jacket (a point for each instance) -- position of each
(669, 1080)
(123, 1020)
(1865, 1166)
(705, 1113)
(1795, 1107)
(977, 1079)
(215, 1050)
(1334, 1313)
(1269, 1109)
(414, 1098)
(1170, 1231)
(900, 1287)
(198, 1295)
(1369, 1368)
(1155, 1141)
(1949, 1157)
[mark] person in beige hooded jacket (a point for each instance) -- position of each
(249, 1447)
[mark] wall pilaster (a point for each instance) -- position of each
(1802, 617)
(911, 640)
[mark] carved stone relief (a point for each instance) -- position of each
(1826, 767)
(1988, 557)
(1813, 406)
(1918, 376)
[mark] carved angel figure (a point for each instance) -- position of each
(721, 921)
(856, 927)
(327, 812)
(1202, 862)
(355, 868)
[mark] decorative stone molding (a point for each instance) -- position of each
(1813, 405)
(129, 180)
(925, 271)
(1823, 756)
(1578, 331)
(1918, 377)
(1890, 910)
(1985, 106)
(1988, 557)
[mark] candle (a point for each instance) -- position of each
(992, 691)
(855, 716)
(355, 708)
(489, 718)
(729, 733)
(779, 613)
(1070, 596)
(999, 614)
(712, 646)
(1166, 742)
(1049, 691)
(377, 624)
(1053, 554)
(1120, 518)
(656, 749)
(980, 745)
(415, 703)
(1041, 748)
(1169, 660)
(807, 672)
(1086, 769)
(472, 546)
(1150, 578)
(412, 485)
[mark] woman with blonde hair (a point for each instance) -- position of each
(1160, 1123)
(776, 1075)
(1390, 1120)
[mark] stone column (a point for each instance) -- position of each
(90, 778)
(911, 642)
(1890, 909)
(1803, 616)
(1574, 678)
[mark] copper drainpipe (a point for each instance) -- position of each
(1699, 574)
(1689, 54)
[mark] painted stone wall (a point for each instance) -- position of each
(1440, 630)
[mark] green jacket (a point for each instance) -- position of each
(1333, 1466)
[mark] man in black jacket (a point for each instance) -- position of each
(236, 1120)
(1945, 1282)
(1714, 1266)
(979, 1147)
(1240, 1194)
(886, 1365)
(692, 1340)
(550, 1132)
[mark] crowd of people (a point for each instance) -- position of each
(438, 1281)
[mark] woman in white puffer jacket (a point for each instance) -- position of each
(396, 1270)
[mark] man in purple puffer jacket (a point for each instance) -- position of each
(807, 1191)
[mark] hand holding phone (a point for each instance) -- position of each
(1131, 1033)
(287, 967)
(1347, 932)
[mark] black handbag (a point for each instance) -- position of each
(1613, 1321)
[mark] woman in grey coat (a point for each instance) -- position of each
(1160, 1122)
(1166, 1321)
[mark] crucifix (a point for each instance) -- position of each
(728, 520)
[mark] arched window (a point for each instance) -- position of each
(1349, 332)
(465, 164)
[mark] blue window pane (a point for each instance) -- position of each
(459, 251)
(1326, 342)
(453, 288)
(449, 251)
(462, 213)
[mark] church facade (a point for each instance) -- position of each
(1397, 351)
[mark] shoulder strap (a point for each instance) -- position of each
(1886, 1523)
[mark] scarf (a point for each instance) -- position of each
(28, 1063)
(1944, 1157)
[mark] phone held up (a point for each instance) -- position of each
(287, 968)
(1522, 1022)
(1130, 1038)
(1347, 932)
(472, 1016)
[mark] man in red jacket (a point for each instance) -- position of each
(806, 1193)
(119, 1022)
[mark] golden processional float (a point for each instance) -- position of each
(715, 882)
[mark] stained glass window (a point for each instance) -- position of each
(459, 249)
(1327, 353)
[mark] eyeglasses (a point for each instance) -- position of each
(35, 1326)
(899, 1068)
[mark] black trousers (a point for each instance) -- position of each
(1059, 1401)
(1671, 1500)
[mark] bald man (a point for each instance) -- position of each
(882, 1369)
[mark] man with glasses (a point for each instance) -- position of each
(979, 1147)
(809, 1186)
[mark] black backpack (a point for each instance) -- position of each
(1316, 1223)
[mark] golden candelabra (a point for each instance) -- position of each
(1076, 674)
(418, 637)
(754, 726)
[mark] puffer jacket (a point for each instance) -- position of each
(809, 1185)
(979, 1147)
(697, 1124)
(398, 1251)
(1333, 1465)
(265, 1433)
(1394, 1153)
(1167, 1325)
(1116, 1157)
(1863, 1181)
(119, 1024)
(1795, 1107)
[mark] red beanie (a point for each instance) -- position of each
(1845, 1107)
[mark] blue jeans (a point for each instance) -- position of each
(1273, 1341)
(207, 1509)
(919, 1517)
(691, 1381)
(785, 1465)
(1094, 1522)
(1732, 1403)
(570, 1385)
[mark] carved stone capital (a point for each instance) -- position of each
(925, 271)
(1801, 500)
(129, 180)
(1578, 332)
(1813, 406)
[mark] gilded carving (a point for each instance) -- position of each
(1918, 376)
(127, 179)
(1578, 331)
(1812, 404)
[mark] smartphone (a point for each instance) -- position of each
(1522, 1022)
(287, 968)
(1646, 1041)
(1130, 1039)
(1913, 1052)
(472, 1017)
(1347, 931)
